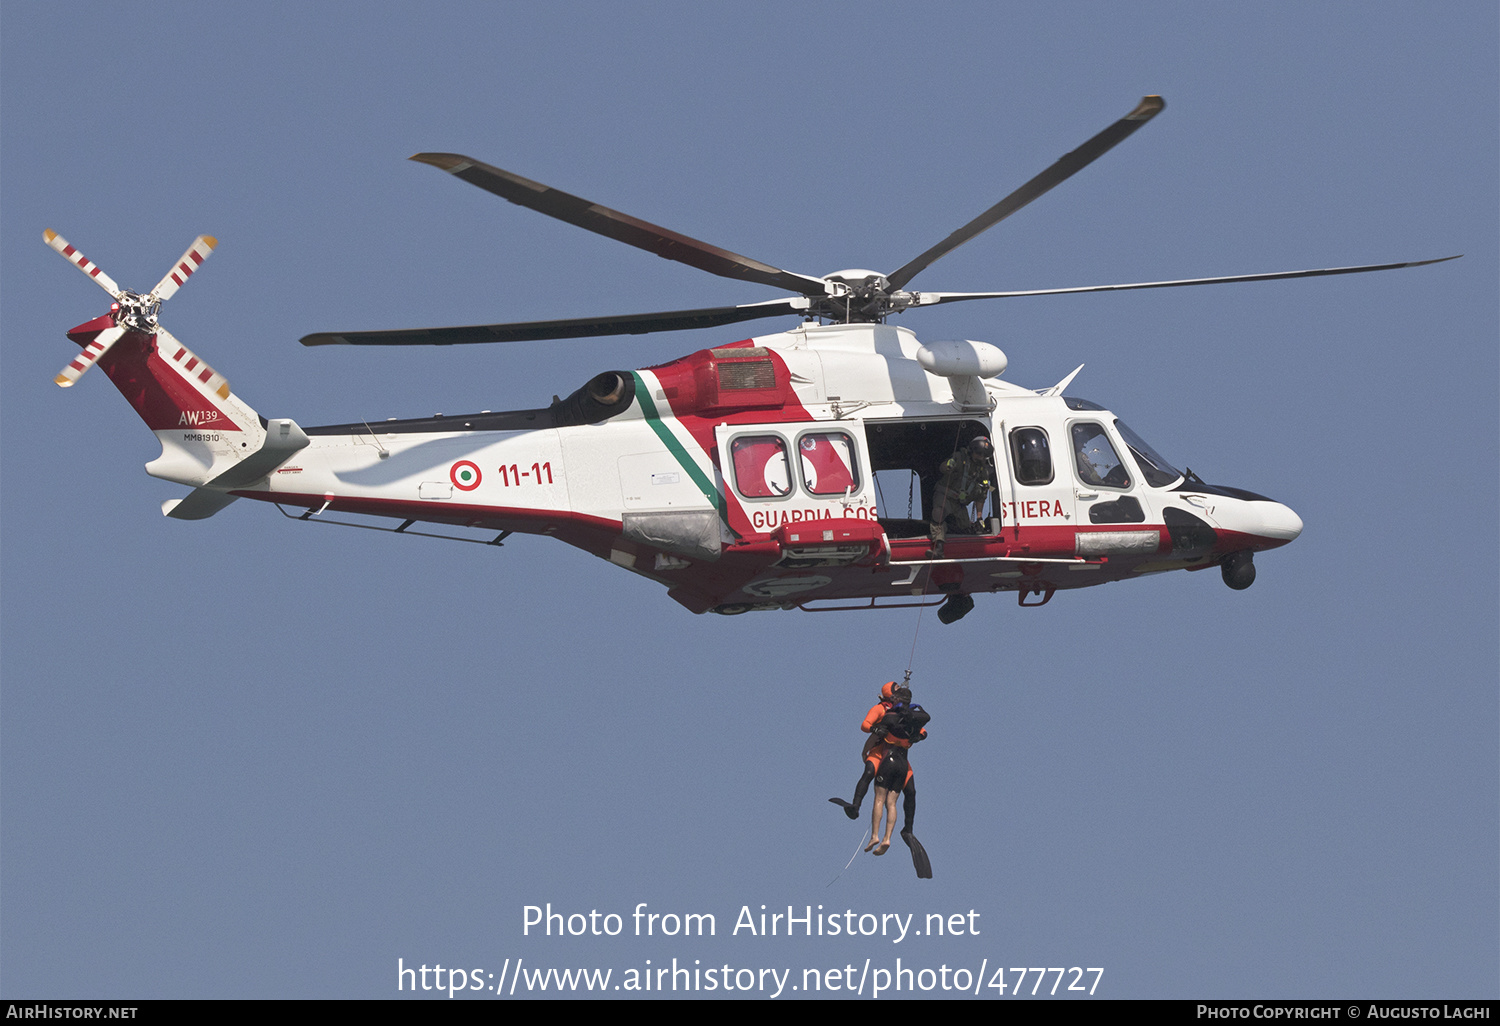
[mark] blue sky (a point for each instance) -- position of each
(248, 757)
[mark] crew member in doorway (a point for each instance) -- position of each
(894, 725)
(965, 481)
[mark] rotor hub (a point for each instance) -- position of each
(137, 312)
(864, 297)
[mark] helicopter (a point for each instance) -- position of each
(762, 473)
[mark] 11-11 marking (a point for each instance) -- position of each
(513, 475)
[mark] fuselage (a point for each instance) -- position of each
(792, 469)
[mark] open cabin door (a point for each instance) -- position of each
(907, 458)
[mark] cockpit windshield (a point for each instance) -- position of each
(1157, 471)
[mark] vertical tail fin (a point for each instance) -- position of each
(204, 428)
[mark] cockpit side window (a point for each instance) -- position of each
(1031, 455)
(1095, 457)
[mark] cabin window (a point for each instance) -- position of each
(1095, 457)
(1032, 456)
(760, 466)
(828, 465)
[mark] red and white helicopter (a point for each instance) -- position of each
(791, 470)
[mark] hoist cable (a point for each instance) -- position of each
(859, 844)
(912, 658)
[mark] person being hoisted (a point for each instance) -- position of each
(894, 725)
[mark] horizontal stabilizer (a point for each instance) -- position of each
(283, 437)
(200, 504)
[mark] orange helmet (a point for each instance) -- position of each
(888, 692)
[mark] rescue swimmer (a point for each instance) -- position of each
(894, 725)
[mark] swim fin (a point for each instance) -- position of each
(852, 811)
(918, 855)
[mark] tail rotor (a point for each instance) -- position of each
(134, 312)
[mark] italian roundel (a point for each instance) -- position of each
(465, 475)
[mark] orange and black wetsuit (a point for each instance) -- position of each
(893, 727)
(895, 736)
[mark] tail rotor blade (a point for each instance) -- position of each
(168, 348)
(198, 252)
(81, 262)
(90, 356)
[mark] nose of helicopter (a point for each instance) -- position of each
(1269, 523)
(1274, 521)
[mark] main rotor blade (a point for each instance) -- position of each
(936, 298)
(81, 262)
(198, 252)
(1065, 167)
(585, 327)
(621, 227)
